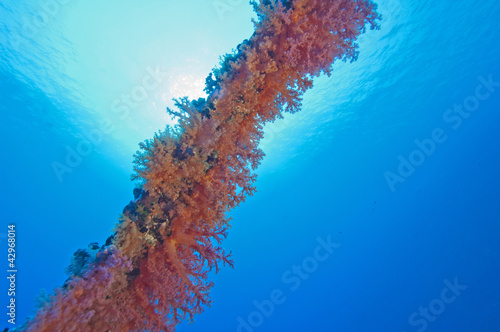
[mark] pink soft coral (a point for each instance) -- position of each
(168, 240)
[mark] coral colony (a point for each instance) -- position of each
(152, 273)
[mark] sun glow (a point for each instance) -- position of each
(188, 85)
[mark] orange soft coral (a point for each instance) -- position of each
(192, 176)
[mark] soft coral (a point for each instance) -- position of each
(169, 237)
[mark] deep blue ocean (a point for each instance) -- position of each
(378, 205)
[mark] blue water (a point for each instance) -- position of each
(413, 247)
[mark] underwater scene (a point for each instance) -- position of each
(272, 165)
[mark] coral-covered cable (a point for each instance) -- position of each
(153, 273)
